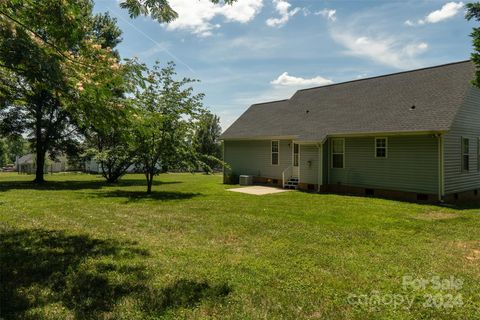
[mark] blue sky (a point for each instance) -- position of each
(261, 50)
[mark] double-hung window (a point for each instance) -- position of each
(381, 147)
(275, 149)
(338, 153)
(465, 154)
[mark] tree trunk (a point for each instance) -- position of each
(39, 146)
(149, 182)
(40, 154)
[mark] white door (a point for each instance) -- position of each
(296, 160)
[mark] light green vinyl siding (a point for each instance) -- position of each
(411, 164)
(466, 125)
(308, 173)
(253, 157)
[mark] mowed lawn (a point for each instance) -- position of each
(77, 248)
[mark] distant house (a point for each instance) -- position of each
(92, 166)
(413, 135)
(28, 164)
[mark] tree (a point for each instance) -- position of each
(166, 112)
(207, 141)
(159, 10)
(59, 73)
(3, 153)
(473, 12)
(17, 146)
(58, 63)
(112, 148)
(11, 148)
(109, 135)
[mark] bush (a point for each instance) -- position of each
(231, 178)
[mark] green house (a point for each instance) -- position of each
(410, 135)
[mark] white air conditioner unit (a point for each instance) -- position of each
(246, 180)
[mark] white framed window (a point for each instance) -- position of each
(465, 154)
(381, 146)
(275, 150)
(296, 149)
(338, 153)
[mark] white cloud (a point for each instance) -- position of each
(253, 45)
(286, 80)
(447, 11)
(385, 50)
(197, 16)
(329, 14)
(412, 50)
(283, 9)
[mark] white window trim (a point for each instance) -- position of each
(331, 156)
(278, 153)
(375, 147)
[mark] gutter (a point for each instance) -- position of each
(223, 160)
(441, 168)
(320, 166)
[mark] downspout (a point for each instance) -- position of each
(299, 166)
(320, 166)
(223, 160)
(441, 168)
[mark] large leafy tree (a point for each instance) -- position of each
(111, 145)
(108, 139)
(56, 64)
(11, 148)
(159, 10)
(59, 76)
(3, 153)
(166, 111)
(207, 141)
(473, 12)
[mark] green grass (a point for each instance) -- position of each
(77, 248)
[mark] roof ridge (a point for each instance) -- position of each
(273, 101)
(383, 76)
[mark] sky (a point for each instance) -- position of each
(262, 50)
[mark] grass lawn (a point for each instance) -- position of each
(77, 248)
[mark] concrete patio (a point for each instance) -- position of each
(258, 190)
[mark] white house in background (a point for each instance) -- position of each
(28, 164)
(92, 166)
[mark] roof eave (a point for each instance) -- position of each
(258, 138)
(388, 133)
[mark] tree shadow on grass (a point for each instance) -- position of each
(182, 293)
(83, 277)
(76, 184)
(135, 196)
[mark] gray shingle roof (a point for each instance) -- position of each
(28, 158)
(375, 105)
